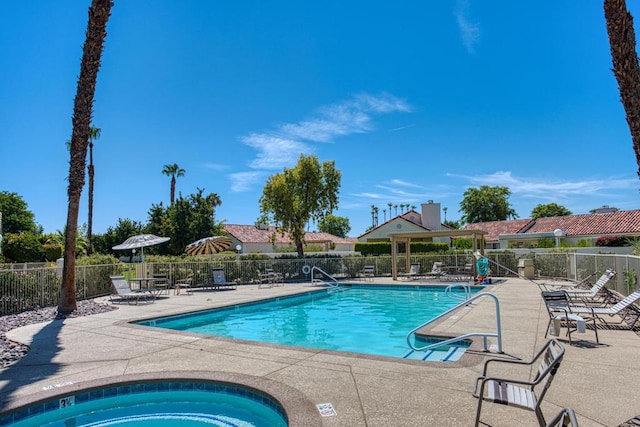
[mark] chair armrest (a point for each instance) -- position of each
(483, 380)
(515, 362)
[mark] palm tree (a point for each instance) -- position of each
(99, 13)
(622, 40)
(390, 206)
(173, 171)
(396, 208)
(384, 212)
(94, 133)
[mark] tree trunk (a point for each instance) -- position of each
(622, 40)
(173, 188)
(99, 13)
(91, 172)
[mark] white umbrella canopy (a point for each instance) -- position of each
(140, 241)
(208, 245)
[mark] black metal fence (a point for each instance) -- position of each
(25, 289)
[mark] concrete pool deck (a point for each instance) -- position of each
(599, 381)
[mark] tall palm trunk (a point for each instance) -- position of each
(622, 40)
(99, 13)
(91, 172)
(173, 189)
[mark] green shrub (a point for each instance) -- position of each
(23, 247)
(52, 251)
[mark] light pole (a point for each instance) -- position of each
(558, 234)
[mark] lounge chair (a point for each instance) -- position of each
(624, 308)
(219, 281)
(522, 393)
(437, 270)
(368, 272)
(123, 292)
(557, 303)
(596, 289)
(413, 272)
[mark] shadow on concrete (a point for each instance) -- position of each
(35, 366)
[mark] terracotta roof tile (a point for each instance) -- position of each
(496, 228)
(252, 234)
(620, 222)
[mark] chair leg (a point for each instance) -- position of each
(540, 417)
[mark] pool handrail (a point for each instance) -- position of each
(315, 281)
(465, 286)
(485, 335)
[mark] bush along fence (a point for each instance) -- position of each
(30, 288)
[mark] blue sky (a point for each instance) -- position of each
(414, 101)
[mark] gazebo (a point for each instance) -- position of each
(477, 238)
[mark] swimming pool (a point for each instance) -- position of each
(361, 319)
(158, 404)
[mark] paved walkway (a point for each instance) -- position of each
(599, 381)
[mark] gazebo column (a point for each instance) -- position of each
(394, 256)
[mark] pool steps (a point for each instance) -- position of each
(452, 354)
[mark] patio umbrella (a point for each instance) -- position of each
(140, 241)
(208, 245)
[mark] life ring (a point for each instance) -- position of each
(306, 269)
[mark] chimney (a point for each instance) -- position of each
(431, 215)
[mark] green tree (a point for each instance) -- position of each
(336, 225)
(99, 13)
(173, 171)
(486, 204)
(453, 224)
(548, 210)
(23, 247)
(307, 191)
(16, 216)
(187, 220)
(59, 238)
(622, 40)
(124, 229)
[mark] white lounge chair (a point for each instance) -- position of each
(595, 289)
(524, 393)
(368, 272)
(624, 308)
(414, 271)
(123, 292)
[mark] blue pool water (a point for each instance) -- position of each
(362, 319)
(184, 404)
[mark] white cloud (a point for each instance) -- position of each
(282, 147)
(469, 31)
(405, 183)
(274, 151)
(244, 181)
(549, 188)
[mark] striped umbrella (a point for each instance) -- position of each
(208, 245)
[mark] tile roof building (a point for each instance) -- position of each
(265, 239)
(570, 228)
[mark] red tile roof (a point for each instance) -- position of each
(496, 228)
(620, 222)
(252, 234)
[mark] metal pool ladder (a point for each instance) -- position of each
(319, 281)
(484, 335)
(465, 286)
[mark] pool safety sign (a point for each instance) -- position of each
(326, 410)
